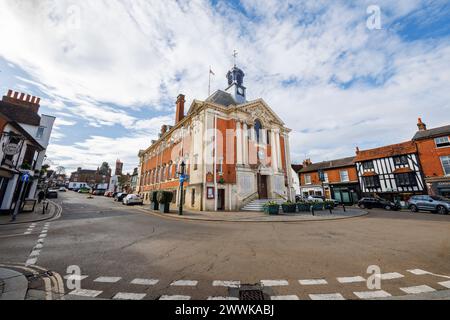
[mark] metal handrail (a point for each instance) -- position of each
(250, 196)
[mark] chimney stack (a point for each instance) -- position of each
(22, 99)
(307, 162)
(163, 130)
(422, 126)
(357, 150)
(180, 108)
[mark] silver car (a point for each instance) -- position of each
(437, 204)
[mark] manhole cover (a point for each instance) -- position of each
(251, 295)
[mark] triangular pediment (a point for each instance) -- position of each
(259, 109)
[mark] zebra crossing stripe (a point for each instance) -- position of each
(289, 298)
(327, 296)
(184, 283)
(312, 282)
(145, 282)
(175, 298)
(129, 296)
(372, 294)
(445, 284)
(274, 283)
(390, 276)
(108, 279)
(417, 289)
(351, 279)
(418, 272)
(222, 298)
(86, 293)
(229, 284)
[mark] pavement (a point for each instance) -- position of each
(121, 252)
(35, 216)
(248, 216)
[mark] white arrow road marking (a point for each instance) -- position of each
(129, 296)
(417, 289)
(274, 283)
(108, 279)
(31, 262)
(418, 272)
(372, 294)
(176, 298)
(327, 296)
(145, 282)
(351, 279)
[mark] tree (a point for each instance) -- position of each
(60, 170)
(104, 169)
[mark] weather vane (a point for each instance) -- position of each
(235, 54)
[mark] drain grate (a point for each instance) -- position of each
(254, 295)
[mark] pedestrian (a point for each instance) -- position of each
(41, 196)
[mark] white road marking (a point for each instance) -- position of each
(38, 246)
(445, 284)
(229, 284)
(31, 262)
(108, 279)
(312, 282)
(43, 235)
(41, 240)
(327, 296)
(419, 272)
(290, 298)
(223, 298)
(184, 283)
(129, 296)
(390, 276)
(35, 253)
(417, 289)
(351, 279)
(75, 277)
(145, 282)
(85, 293)
(27, 232)
(274, 283)
(176, 298)
(372, 294)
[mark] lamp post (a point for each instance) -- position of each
(182, 178)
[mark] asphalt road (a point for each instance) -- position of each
(122, 244)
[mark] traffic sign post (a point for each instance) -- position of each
(24, 179)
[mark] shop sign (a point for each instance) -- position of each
(11, 149)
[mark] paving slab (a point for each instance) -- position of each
(15, 285)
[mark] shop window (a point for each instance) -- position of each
(442, 142)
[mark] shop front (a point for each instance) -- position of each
(440, 188)
(348, 194)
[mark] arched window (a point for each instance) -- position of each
(258, 128)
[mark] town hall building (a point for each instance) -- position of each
(235, 151)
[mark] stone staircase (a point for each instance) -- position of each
(258, 205)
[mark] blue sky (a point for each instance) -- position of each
(111, 71)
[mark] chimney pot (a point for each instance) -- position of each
(22, 96)
(422, 126)
(28, 98)
(10, 93)
(38, 100)
(16, 95)
(180, 108)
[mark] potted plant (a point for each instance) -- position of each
(25, 166)
(164, 199)
(304, 206)
(154, 200)
(289, 207)
(272, 208)
(329, 205)
(318, 206)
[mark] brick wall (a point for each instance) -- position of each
(429, 156)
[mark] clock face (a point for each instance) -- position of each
(240, 91)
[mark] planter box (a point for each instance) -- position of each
(318, 207)
(303, 207)
(289, 208)
(272, 210)
(164, 207)
(154, 206)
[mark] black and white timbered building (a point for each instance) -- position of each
(391, 172)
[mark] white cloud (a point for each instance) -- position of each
(297, 55)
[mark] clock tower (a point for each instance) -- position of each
(235, 85)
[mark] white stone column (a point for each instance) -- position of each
(245, 143)
(274, 156)
(239, 144)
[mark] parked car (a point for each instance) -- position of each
(132, 199)
(62, 189)
(84, 190)
(108, 194)
(120, 196)
(436, 204)
(316, 199)
(98, 192)
(371, 203)
(52, 194)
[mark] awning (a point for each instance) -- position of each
(5, 173)
(403, 170)
(370, 174)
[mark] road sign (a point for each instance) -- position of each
(25, 177)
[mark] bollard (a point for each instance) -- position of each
(343, 206)
(331, 209)
(312, 210)
(43, 208)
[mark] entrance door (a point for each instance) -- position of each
(262, 187)
(221, 199)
